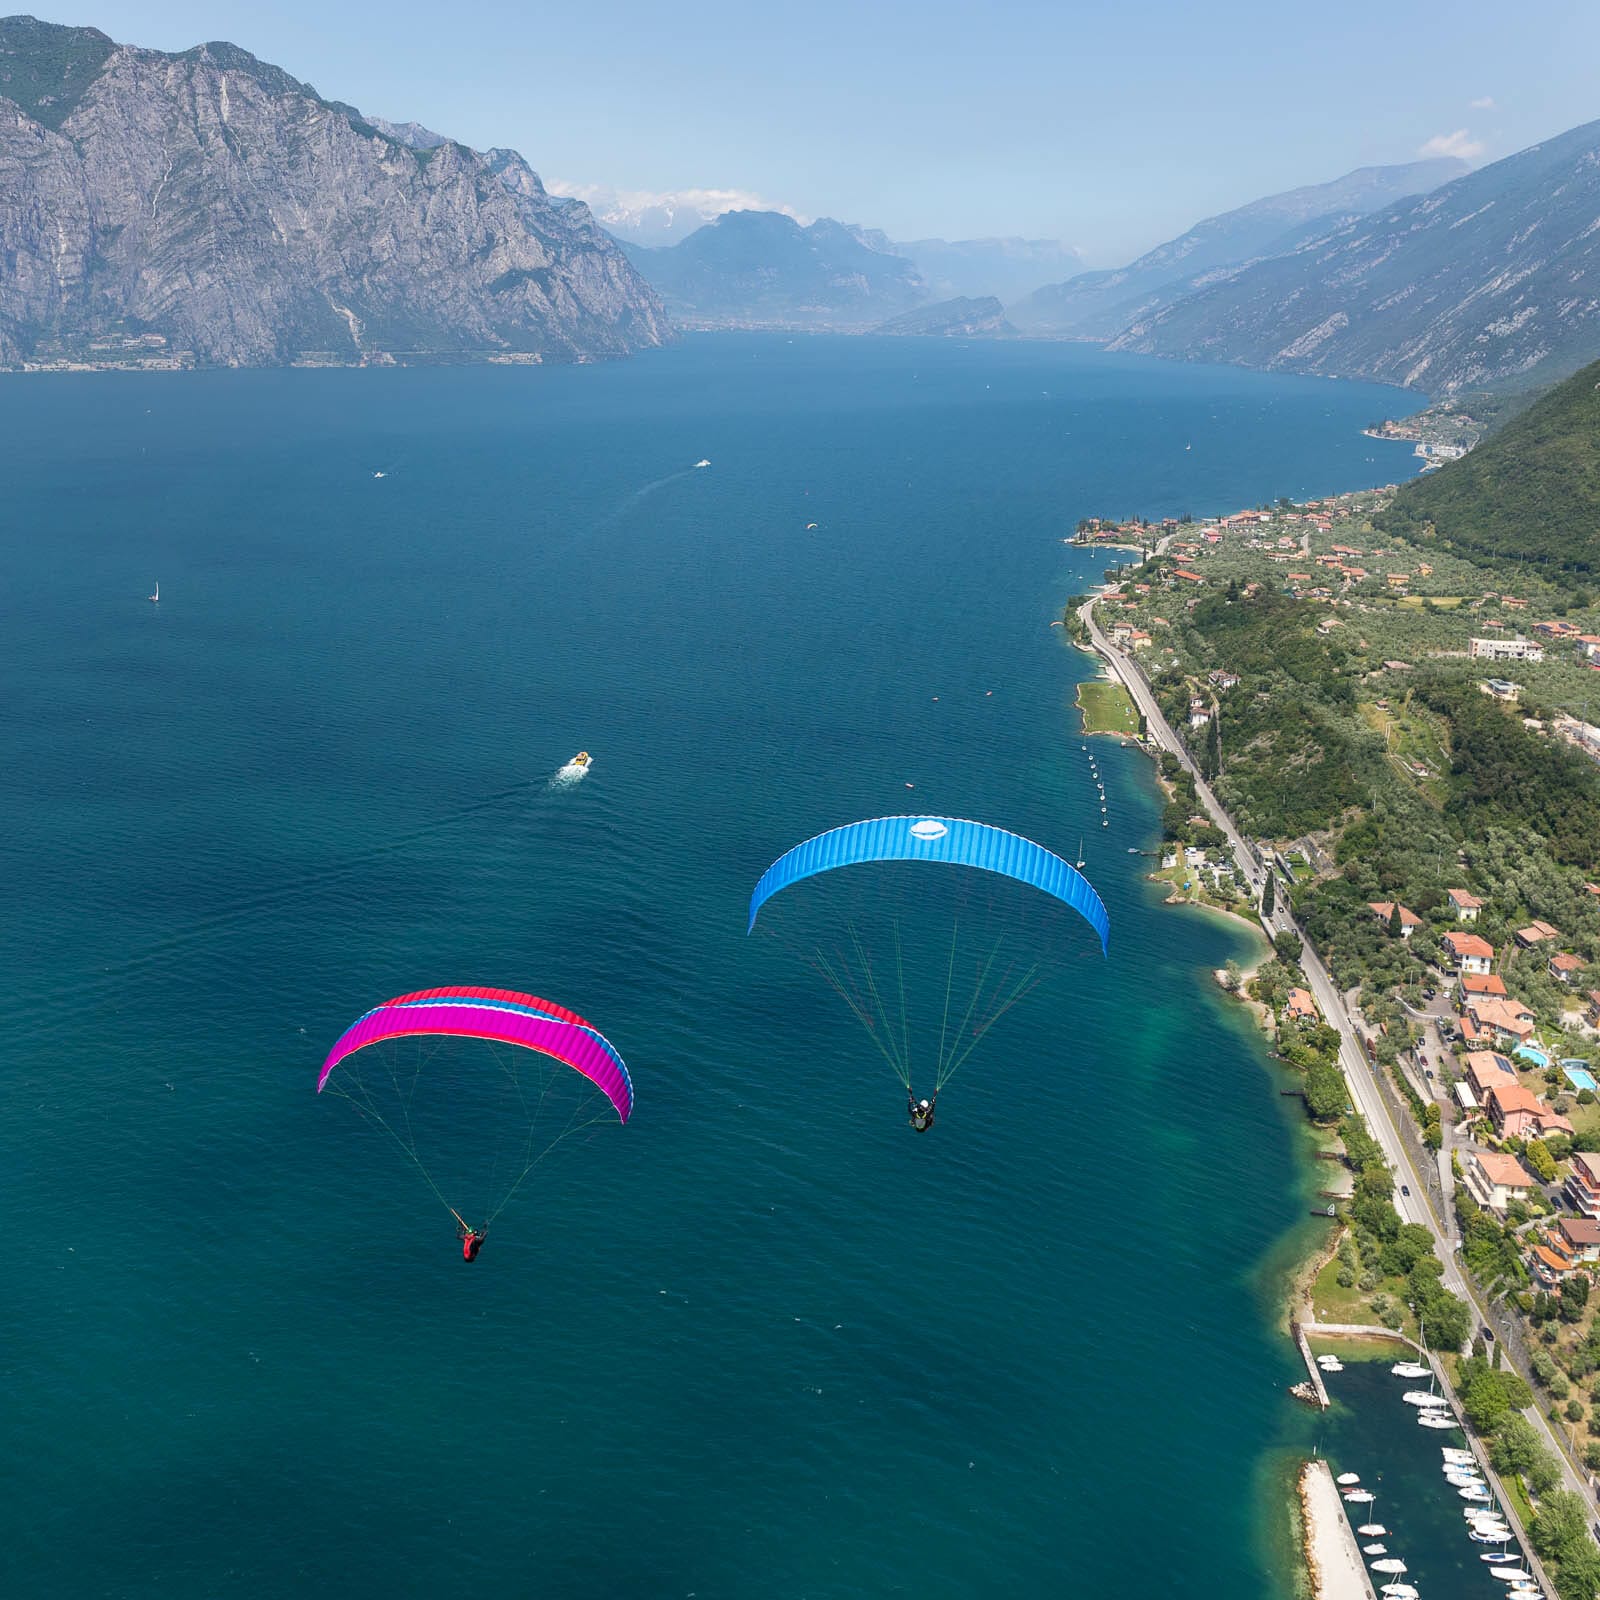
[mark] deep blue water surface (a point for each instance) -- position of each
(764, 1340)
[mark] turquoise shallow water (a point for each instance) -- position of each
(763, 1340)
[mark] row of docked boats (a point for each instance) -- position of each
(1378, 1554)
(1487, 1526)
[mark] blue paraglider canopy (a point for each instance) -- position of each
(948, 839)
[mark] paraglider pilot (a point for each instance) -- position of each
(471, 1243)
(920, 1111)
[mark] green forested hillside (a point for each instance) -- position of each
(1529, 492)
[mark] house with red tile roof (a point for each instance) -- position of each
(1495, 1179)
(1518, 1113)
(1471, 953)
(1467, 906)
(1488, 1070)
(1501, 1019)
(1301, 1007)
(1564, 968)
(1488, 984)
(1383, 910)
(1536, 933)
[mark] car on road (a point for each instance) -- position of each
(1405, 1189)
(1487, 1333)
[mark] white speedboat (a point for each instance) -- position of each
(702, 462)
(1345, 1479)
(1411, 1369)
(1375, 1549)
(1393, 1564)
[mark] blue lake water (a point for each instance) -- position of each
(763, 1340)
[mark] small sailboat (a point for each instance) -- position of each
(702, 462)
(155, 599)
(1435, 1419)
(1411, 1369)
(1451, 1454)
(1399, 1591)
(1345, 1478)
(1372, 1530)
(1392, 1564)
(1359, 1497)
(1422, 1397)
(1375, 1549)
(1473, 1491)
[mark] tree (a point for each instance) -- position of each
(1326, 1095)
(1289, 946)
(1560, 1524)
(1268, 896)
(1396, 926)
(1574, 1297)
(1579, 1577)
(1516, 1445)
(1540, 1162)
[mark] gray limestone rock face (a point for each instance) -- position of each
(207, 207)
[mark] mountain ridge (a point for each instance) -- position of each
(1491, 280)
(207, 208)
(1100, 305)
(763, 269)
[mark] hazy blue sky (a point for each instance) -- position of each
(1112, 125)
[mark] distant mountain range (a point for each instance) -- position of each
(1492, 280)
(1009, 269)
(1100, 305)
(207, 208)
(763, 269)
(962, 317)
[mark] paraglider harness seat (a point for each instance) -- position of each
(921, 1111)
(471, 1244)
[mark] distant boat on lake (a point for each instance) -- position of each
(155, 599)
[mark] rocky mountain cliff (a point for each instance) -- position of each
(762, 269)
(1099, 305)
(206, 207)
(1492, 280)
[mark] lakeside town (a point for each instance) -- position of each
(1387, 757)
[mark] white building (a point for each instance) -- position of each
(1518, 649)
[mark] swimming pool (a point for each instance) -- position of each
(1532, 1053)
(1579, 1075)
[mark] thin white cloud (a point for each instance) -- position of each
(1484, 104)
(1460, 144)
(641, 207)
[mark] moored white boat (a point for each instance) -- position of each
(1435, 1419)
(1465, 1456)
(1375, 1549)
(1359, 1497)
(1473, 1491)
(1423, 1397)
(1393, 1564)
(1346, 1479)
(1410, 1369)
(1372, 1530)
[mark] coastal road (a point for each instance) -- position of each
(1359, 1073)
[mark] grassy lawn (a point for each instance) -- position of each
(1106, 708)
